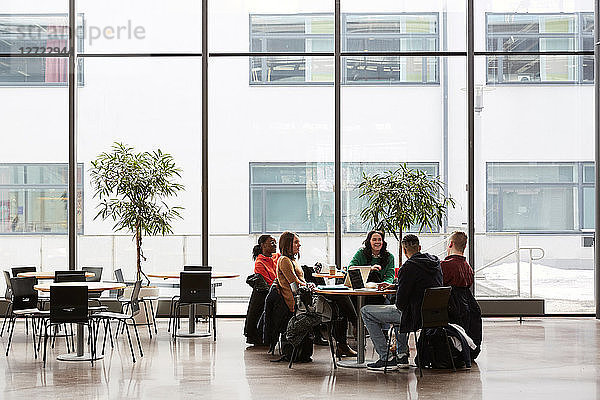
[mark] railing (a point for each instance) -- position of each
(517, 251)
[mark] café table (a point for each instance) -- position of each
(80, 355)
(361, 295)
(192, 307)
(46, 274)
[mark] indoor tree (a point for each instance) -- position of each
(132, 188)
(404, 198)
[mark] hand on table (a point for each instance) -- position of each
(385, 286)
(376, 267)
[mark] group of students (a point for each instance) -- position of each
(420, 271)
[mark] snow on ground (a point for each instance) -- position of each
(548, 282)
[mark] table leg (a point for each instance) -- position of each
(360, 358)
(79, 355)
(192, 325)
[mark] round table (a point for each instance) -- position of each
(192, 308)
(360, 301)
(46, 274)
(92, 287)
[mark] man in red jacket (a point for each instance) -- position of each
(457, 271)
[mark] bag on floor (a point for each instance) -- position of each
(432, 350)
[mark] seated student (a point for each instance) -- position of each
(289, 274)
(419, 272)
(462, 306)
(265, 258)
(375, 254)
(264, 274)
(280, 302)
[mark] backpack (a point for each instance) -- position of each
(432, 350)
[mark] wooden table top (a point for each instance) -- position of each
(46, 274)
(352, 292)
(175, 275)
(328, 275)
(92, 286)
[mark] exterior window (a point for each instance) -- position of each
(299, 196)
(538, 33)
(33, 198)
(360, 32)
(539, 197)
(36, 34)
(390, 33)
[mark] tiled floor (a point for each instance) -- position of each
(540, 359)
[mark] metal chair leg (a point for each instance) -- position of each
(418, 356)
(449, 349)
(153, 317)
(130, 345)
(138, 338)
(330, 337)
(12, 329)
(147, 320)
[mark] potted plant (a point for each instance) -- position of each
(401, 199)
(132, 188)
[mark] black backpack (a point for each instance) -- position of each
(433, 350)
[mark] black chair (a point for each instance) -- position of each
(134, 309)
(17, 270)
(8, 298)
(97, 271)
(195, 289)
(69, 276)
(24, 305)
(69, 305)
(434, 314)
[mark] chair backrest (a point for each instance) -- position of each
(119, 277)
(97, 271)
(17, 270)
(135, 298)
(195, 287)
(68, 304)
(8, 293)
(24, 295)
(69, 276)
(434, 310)
(197, 268)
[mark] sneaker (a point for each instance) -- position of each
(379, 365)
(403, 361)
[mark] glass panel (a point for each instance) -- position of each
(162, 102)
(140, 26)
(395, 127)
(534, 208)
(589, 174)
(34, 34)
(237, 26)
(525, 173)
(531, 145)
(588, 208)
(291, 70)
(279, 162)
(434, 25)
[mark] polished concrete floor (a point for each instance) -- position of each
(553, 358)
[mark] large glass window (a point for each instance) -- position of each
(539, 197)
(360, 33)
(306, 190)
(36, 34)
(33, 198)
(539, 33)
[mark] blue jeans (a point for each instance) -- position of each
(377, 319)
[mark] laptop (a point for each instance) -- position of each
(364, 272)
